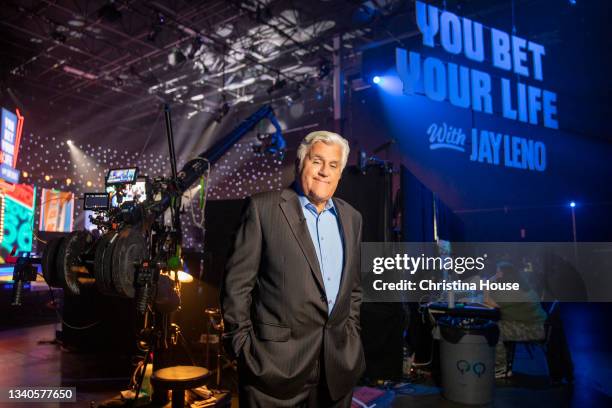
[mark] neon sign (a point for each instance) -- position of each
(18, 218)
(11, 129)
(471, 88)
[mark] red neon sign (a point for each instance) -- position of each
(20, 120)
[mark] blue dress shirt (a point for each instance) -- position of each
(326, 237)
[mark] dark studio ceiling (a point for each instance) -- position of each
(71, 60)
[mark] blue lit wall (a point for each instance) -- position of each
(497, 196)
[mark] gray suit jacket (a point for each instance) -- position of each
(274, 304)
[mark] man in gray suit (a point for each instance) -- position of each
(291, 292)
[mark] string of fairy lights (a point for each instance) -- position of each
(65, 165)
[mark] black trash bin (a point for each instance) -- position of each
(467, 359)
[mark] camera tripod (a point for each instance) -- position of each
(161, 336)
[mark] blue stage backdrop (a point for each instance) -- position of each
(487, 117)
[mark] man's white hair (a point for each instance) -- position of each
(327, 138)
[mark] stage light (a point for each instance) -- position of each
(68, 181)
(176, 57)
(184, 277)
(69, 142)
(572, 2)
(89, 184)
(47, 177)
(24, 174)
(572, 205)
(181, 276)
(388, 83)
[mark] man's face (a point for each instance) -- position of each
(321, 172)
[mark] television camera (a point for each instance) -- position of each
(134, 246)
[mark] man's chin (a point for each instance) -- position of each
(317, 198)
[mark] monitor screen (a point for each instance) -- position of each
(96, 201)
(122, 176)
(89, 224)
(127, 193)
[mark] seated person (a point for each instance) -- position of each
(522, 316)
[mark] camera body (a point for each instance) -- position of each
(130, 247)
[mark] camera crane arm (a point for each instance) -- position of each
(193, 169)
(196, 167)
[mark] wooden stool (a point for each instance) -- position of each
(178, 379)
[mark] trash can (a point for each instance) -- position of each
(467, 359)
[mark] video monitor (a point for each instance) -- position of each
(127, 175)
(89, 224)
(96, 201)
(135, 192)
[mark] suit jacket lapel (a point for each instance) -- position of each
(346, 229)
(295, 217)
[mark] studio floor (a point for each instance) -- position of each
(28, 356)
